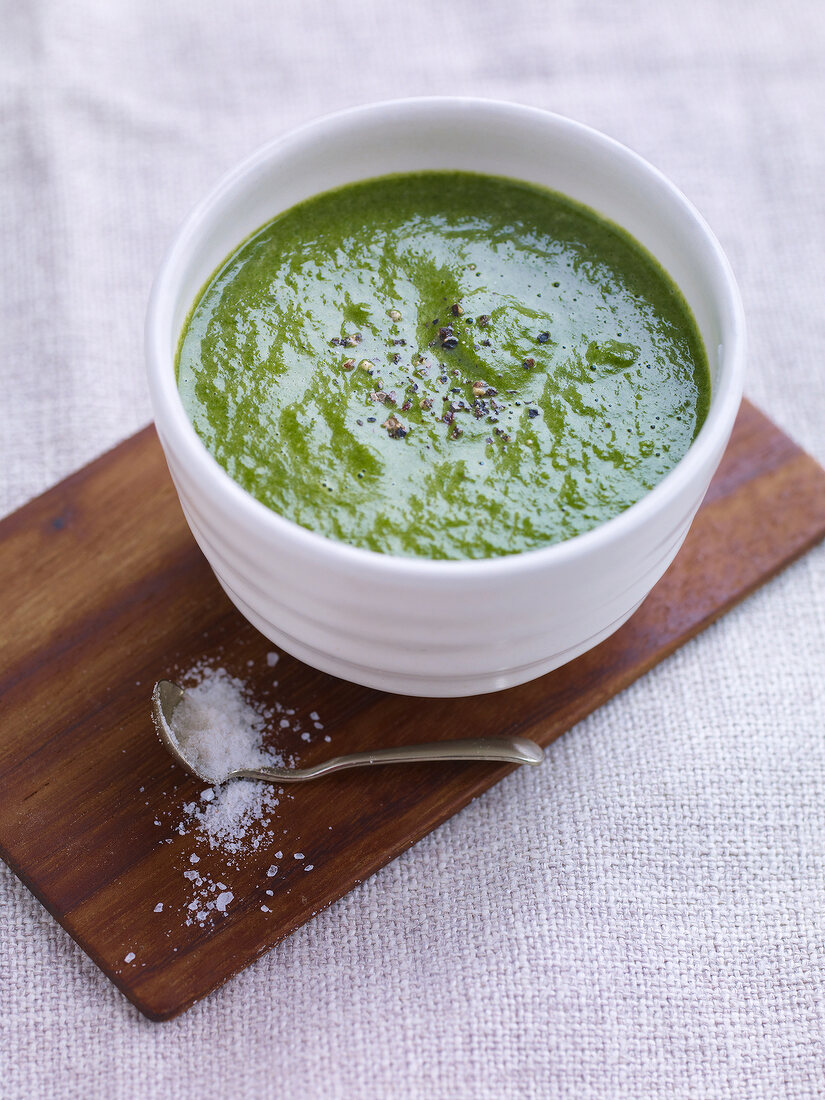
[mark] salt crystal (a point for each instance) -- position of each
(298, 855)
(194, 859)
(314, 716)
(284, 723)
(265, 909)
(309, 867)
(223, 900)
(327, 737)
(273, 870)
(318, 725)
(305, 737)
(128, 958)
(272, 659)
(279, 855)
(159, 907)
(208, 794)
(270, 893)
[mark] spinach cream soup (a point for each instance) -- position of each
(443, 365)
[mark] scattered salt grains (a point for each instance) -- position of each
(232, 821)
(223, 731)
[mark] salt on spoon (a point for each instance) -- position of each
(216, 756)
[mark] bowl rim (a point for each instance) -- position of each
(178, 433)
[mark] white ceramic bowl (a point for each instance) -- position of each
(464, 627)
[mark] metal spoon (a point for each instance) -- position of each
(511, 750)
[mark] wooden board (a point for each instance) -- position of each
(105, 592)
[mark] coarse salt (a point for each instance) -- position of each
(222, 730)
(218, 729)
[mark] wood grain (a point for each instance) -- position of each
(105, 592)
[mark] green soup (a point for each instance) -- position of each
(443, 365)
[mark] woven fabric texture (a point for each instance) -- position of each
(642, 917)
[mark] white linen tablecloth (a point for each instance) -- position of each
(642, 917)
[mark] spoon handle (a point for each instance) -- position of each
(508, 750)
